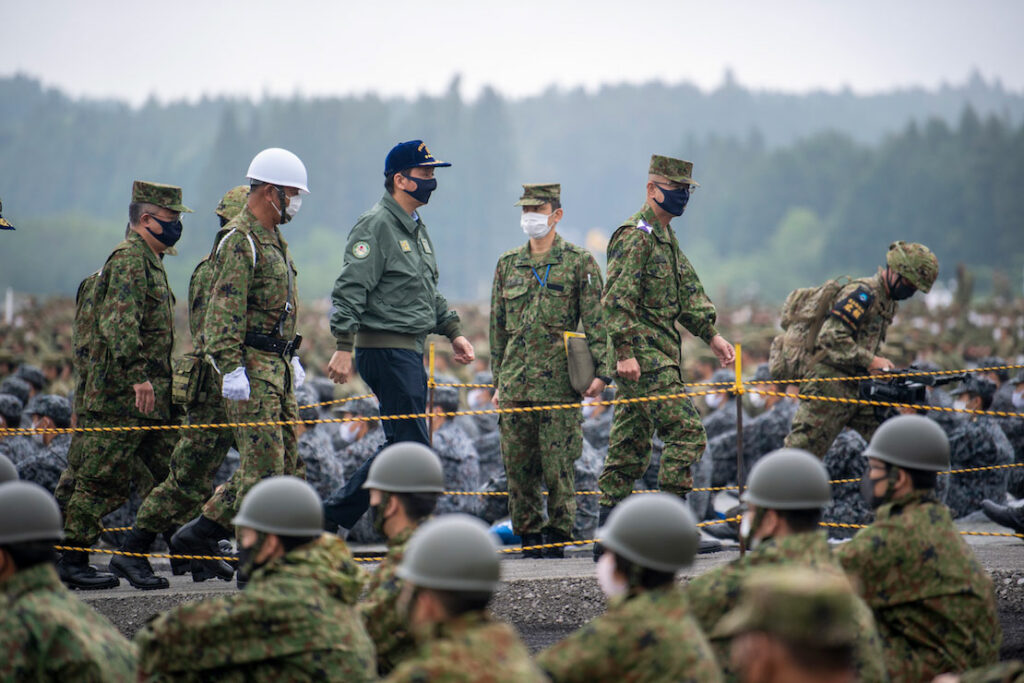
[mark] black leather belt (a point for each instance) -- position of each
(286, 348)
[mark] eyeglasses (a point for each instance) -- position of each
(674, 187)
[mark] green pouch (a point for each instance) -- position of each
(580, 360)
(186, 380)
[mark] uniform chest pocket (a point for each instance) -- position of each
(517, 306)
(558, 304)
(270, 285)
(157, 314)
(659, 285)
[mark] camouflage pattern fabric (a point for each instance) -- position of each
(845, 460)
(471, 647)
(719, 423)
(718, 591)
(723, 419)
(19, 447)
(356, 453)
(977, 442)
(597, 430)
(295, 621)
(761, 435)
(1014, 431)
(488, 447)
(587, 469)
(379, 609)
(45, 467)
(849, 346)
(528, 321)
(644, 636)
(676, 170)
(158, 194)
(933, 603)
(250, 291)
(651, 287)
(494, 508)
(461, 468)
(46, 634)
(323, 470)
(538, 449)
(1004, 672)
(676, 422)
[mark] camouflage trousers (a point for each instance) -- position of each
(264, 451)
(817, 423)
(101, 467)
(629, 447)
(194, 462)
(538, 449)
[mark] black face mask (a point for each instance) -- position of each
(901, 289)
(378, 515)
(867, 491)
(674, 202)
(171, 233)
(424, 187)
(247, 563)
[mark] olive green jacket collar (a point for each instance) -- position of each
(405, 220)
(554, 256)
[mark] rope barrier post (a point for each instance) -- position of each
(741, 476)
(430, 392)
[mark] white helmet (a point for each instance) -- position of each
(279, 167)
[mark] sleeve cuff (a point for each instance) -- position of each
(346, 342)
(624, 351)
(452, 329)
(709, 334)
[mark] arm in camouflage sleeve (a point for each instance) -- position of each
(224, 324)
(591, 286)
(626, 258)
(119, 315)
(498, 335)
(352, 288)
(838, 339)
(698, 314)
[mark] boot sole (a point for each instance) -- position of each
(98, 587)
(117, 571)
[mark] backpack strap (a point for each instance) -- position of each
(220, 245)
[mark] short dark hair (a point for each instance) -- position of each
(921, 480)
(136, 209)
(417, 506)
(986, 399)
(643, 577)
(30, 553)
(389, 180)
(801, 521)
(457, 603)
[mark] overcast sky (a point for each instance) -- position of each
(190, 48)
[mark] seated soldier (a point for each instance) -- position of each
(48, 411)
(933, 603)
(458, 455)
(323, 469)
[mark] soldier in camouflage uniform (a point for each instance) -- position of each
(404, 483)
(787, 491)
(458, 456)
(933, 602)
(451, 571)
(794, 625)
(324, 470)
(17, 447)
(648, 632)
(975, 442)
(849, 343)
(651, 288)
(296, 617)
(44, 468)
(249, 339)
(129, 380)
(45, 633)
(541, 290)
(198, 452)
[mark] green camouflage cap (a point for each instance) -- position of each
(915, 262)
(3, 223)
(676, 170)
(538, 194)
(233, 201)
(158, 194)
(801, 606)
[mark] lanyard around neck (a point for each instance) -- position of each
(544, 282)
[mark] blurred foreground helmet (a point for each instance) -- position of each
(910, 441)
(788, 479)
(452, 553)
(28, 513)
(406, 467)
(285, 506)
(653, 530)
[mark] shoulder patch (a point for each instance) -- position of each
(644, 225)
(361, 249)
(850, 309)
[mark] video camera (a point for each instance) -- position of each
(911, 390)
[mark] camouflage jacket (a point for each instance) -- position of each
(528, 357)
(718, 591)
(249, 294)
(645, 636)
(388, 280)
(324, 471)
(47, 634)
(199, 286)
(461, 465)
(19, 448)
(379, 609)
(928, 592)
(134, 319)
(295, 621)
(855, 328)
(473, 647)
(977, 442)
(356, 453)
(652, 286)
(45, 467)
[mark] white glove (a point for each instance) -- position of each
(298, 374)
(236, 385)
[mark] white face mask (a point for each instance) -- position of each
(294, 204)
(960, 404)
(611, 585)
(745, 524)
(757, 400)
(349, 431)
(535, 225)
(714, 400)
(477, 399)
(1018, 400)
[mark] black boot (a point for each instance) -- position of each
(76, 572)
(1004, 515)
(178, 567)
(557, 552)
(602, 518)
(200, 537)
(137, 570)
(708, 545)
(533, 539)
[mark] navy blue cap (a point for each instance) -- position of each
(410, 155)
(977, 385)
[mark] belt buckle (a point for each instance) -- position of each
(289, 347)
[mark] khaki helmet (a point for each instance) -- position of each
(788, 479)
(915, 262)
(653, 530)
(285, 506)
(8, 472)
(912, 442)
(232, 203)
(28, 513)
(406, 467)
(452, 553)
